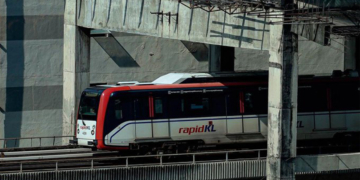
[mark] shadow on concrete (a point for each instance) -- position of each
(158, 17)
(15, 70)
(141, 13)
(125, 12)
(116, 51)
(198, 50)
(242, 27)
(108, 13)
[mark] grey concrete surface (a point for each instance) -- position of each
(282, 101)
(196, 25)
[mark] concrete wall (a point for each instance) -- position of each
(30, 68)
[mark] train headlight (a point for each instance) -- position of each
(78, 131)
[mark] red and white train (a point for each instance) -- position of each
(197, 108)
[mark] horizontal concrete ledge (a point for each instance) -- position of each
(134, 16)
(310, 164)
(323, 164)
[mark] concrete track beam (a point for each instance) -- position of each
(195, 25)
(76, 69)
(282, 102)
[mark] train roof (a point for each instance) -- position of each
(183, 80)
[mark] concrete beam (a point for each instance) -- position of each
(195, 25)
(319, 33)
(76, 70)
(282, 101)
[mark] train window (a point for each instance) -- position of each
(305, 100)
(141, 108)
(119, 110)
(233, 104)
(160, 108)
(195, 106)
(176, 107)
(89, 106)
(320, 99)
(255, 102)
(200, 105)
(217, 105)
(249, 103)
(345, 98)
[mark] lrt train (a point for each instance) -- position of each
(186, 109)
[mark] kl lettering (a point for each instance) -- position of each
(197, 129)
(299, 124)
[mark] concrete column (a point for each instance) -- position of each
(76, 70)
(282, 102)
(350, 53)
(221, 58)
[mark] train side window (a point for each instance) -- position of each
(233, 104)
(320, 99)
(176, 107)
(345, 98)
(255, 102)
(160, 108)
(249, 103)
(305, 99)
(141, 108)
(118, 109)
(217, 105)
(196, 106)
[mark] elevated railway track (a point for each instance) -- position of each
(84, 158)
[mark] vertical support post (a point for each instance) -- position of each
(76, 71)
(282, 102)
(221, 58)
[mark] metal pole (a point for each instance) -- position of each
(92, 164)
(193, 158)
(259, 155)
(21, 168)
(127, 162)
(161, 161)
(56, 166)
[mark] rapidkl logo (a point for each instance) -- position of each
(197, 129)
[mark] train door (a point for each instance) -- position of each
(143, 117)
(234, 113)
(159, 117)
(322, 106)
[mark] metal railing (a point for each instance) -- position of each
(193, 159)
(17, 140)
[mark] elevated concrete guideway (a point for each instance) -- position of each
(196, 25)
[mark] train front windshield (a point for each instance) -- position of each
(89, 105)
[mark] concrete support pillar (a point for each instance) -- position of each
(357, 54)
(282, 102)
(76, 69)
(221, 58)
(350, 53)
